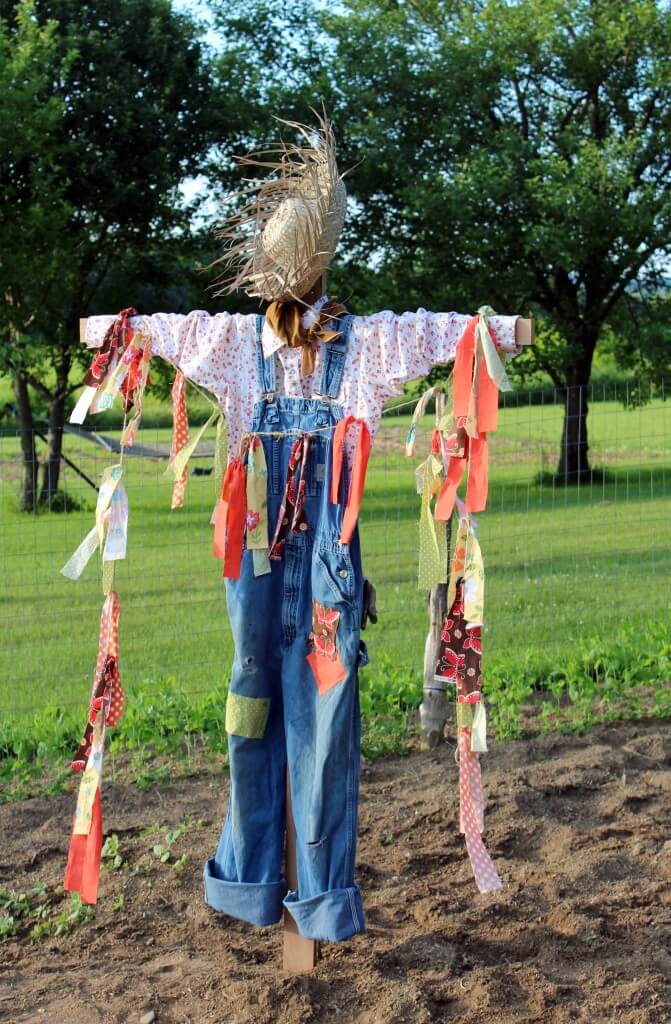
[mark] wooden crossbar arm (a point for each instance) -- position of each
(524, 330)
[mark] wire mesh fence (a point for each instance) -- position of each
(562, 562)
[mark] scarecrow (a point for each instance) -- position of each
(302, 389)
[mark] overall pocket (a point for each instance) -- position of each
(333, 576)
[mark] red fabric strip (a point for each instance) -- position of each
(235, 520)
(83, 869)
(219, 545)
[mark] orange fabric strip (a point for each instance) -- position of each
(488, 398)
(448, 494)
(235, 520)
(462, 375)
(486, 406)
(478, 462)
(357, 483)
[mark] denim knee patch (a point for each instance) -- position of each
(246, 716)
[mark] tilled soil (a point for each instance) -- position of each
(581, 930)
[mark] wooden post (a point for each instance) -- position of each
(433, 709)
(299, 954)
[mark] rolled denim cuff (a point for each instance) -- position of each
(258, 903)
(330, 917)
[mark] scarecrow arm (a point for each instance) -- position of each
(197, 343)
(396, 348)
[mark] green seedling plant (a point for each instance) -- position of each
(36, 913)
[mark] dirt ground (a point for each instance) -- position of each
(581, 930)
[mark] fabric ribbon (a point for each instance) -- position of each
(177, 463)
(472, 815)
(467, 564)
(432, 536)
(361, 456)
(229, 527)
(420, 409)
(116, 338)
(76, 564)
(180, 436)
(137, 356)
(477, 377)
(257, 506)
(219, 465)
(106, 707)
(292, 516)
(285, 318)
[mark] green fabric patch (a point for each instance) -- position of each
(246, 716)
(464, 716)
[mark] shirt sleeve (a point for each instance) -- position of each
(197, 343)
(398, 348)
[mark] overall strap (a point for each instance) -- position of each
(265, 367)
(335, 354)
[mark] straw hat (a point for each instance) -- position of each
(282, 237)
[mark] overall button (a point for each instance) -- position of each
(343, 573)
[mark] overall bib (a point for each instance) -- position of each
(294, 692)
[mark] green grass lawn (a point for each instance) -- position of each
(560, 564)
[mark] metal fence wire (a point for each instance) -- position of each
(562, 562)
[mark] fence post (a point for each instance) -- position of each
(433, 709)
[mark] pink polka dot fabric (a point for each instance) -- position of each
(472, 815)
(180, 436)
(108, 647)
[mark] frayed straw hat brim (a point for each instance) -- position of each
(284, 233)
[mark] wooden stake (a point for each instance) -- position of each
(433, 709)
(299, 954)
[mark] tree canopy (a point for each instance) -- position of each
(515, 152)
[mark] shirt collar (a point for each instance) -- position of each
(270, 341)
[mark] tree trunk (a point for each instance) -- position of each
(28, 494)
(574, 464)
(52, 466)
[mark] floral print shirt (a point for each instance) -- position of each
(218, 352)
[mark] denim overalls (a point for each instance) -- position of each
(294, 692)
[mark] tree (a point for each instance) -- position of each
(34, 209)
(514, 151)
(115, 105)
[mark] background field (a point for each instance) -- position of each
(561, 563)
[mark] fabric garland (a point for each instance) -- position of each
(460, 663)
(104, 362)
(96, 538)
(105, 708)
(477, 377)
